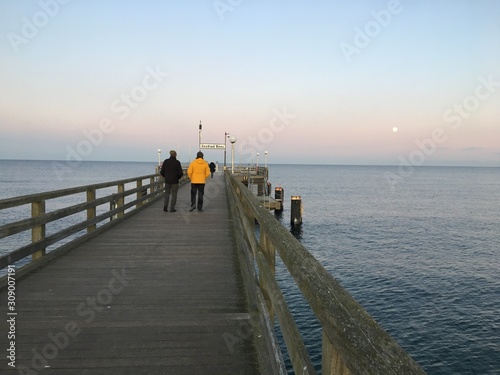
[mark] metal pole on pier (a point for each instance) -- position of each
(233, 141)
(159, 162)
(199, 136)
(226, 135)
(266, 175)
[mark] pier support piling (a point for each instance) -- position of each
(279, 193)
(296, 210)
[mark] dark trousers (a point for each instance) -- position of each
(170, 188)
(200, 189)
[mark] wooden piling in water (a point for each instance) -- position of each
(296, 210)
(278, 196)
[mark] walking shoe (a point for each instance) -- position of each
(200, 209)
(174, 210)
(192, 207)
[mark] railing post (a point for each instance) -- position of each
(91, 211)
(269, 251)
(161, 180)
(121, 199)
(38, 232)
(332, 363)
(139, 194)
(270, 255)
(153, 187)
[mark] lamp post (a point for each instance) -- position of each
(199, 137)
(159, 157)
(257, 163)
(232, 139)
(226, 136)
(267, 186)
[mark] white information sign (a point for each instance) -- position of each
(213, 146)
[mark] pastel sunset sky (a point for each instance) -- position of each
(324, 82)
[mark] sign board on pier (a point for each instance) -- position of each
(213, 146)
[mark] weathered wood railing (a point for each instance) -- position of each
(141, 195)
(352, 342)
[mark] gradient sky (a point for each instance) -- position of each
(310, 82)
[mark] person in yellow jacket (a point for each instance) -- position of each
(198, 172)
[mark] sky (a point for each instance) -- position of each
(350, 82)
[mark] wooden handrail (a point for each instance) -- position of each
(28, 199)
(145, 194)
(353, 343)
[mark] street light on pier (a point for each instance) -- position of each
(226, 136)
(233, 140)
(266, 174)
(257, 163)
(159, 157)
(199, 137)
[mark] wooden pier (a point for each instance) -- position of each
(161, 293)
(257, 181)
(154, 292)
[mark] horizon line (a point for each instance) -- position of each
(243, 164)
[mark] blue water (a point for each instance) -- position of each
(421, 253)
(422, 256)
(19, 177)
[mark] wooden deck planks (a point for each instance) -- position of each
(160, 293)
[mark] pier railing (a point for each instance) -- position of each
(82, 220)
(352, 342)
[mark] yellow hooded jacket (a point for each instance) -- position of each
(198, 171)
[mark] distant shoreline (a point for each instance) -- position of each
(269, 164)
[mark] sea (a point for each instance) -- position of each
(417, 247)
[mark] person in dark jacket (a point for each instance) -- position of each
(212, 169)
(171, 170)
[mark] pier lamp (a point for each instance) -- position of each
(257, 163)
(159, 156)
(199, 135)
(233, 140)
(226, 136)
(265, 159)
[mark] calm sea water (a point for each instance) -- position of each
(421, 252)
(422, 256)
(19, 177)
